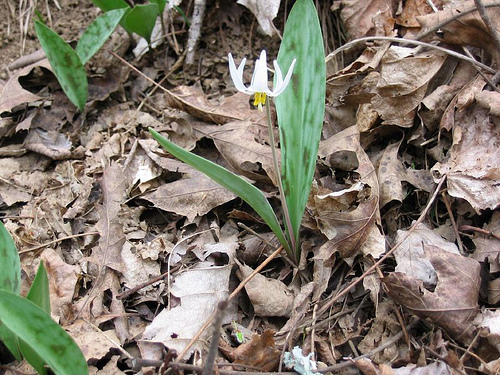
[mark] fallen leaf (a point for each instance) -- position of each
(260, 352)
(52, 144)
(472, 168)
(269, 297)
(454, 302)
(199, 290)
(192, 100)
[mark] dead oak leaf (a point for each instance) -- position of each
(454, 302)
(259, 352)
(193, 195)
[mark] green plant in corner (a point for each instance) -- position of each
(300, 105)
(26, 327)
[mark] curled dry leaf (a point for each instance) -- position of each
(345, 216)
(265, 11)
(454, 302)
(269, 297)
(259, 352)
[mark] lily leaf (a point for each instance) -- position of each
(39, 294)
(301, 107)
(246, 191)
(141, 20)
(47, 338)
(66, 64)
(96, 34)
(10, 280)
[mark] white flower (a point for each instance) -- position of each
(259, 85)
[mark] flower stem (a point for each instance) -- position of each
(286, 212)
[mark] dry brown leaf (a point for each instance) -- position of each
(489, 100)
(13, 94)
(63, 280)
(199, 290)
(454, 302)
(360, 16)
(242, 144)
(346, 216)
(193, 195)
(488, 248)
(489, 323)
(259, 352)
(472, 169)
(410, 255)
(269, 297)
(467, 30)
(52, 144)
(413, 9)
(193, 100)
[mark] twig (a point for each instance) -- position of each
(409, 41)
(389, 253)
(208, 367)
(195, 29)
(58, 240)
(231, 296)
(469, 228)
(453, 222)
(487, 21)
(371, 353)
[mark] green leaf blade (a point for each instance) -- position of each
(49, 340)
(10, 280)
(246, 191)
(97, 33)
(141, 20)
(66, 64)
(301, 107)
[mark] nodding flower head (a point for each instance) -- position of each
(259, 85)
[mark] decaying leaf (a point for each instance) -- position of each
(472, 168)
(269, 297)
(454, 302)
(345, 216)
(192, 100)
(259, 352)
(199, 291)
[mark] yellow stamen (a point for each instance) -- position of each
(259, 99)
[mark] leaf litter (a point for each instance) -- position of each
(141, 248)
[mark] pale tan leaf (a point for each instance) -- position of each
(265, 11)
(454, 302)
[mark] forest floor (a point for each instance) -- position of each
(400, 241)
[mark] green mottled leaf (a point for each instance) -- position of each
(246, 191)
(141, 20)
(107, 5)
(46, 337)
(39, 295)
(10, 280)
(66, 64)
(161, 4)
(301, 107)
(97, 33)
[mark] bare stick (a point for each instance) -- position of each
(195, 29)
(409, 41)
(208, 367)
(487, 21)
(58, 240)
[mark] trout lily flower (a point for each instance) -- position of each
(259, 86)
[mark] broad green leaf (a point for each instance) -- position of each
(97, 33)
(39, 295)
(141, 20)
(10, 280)
(246, 191)
(46, 337)
(66, 64)
(161, 4)
(107, 5)
(301, 107)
